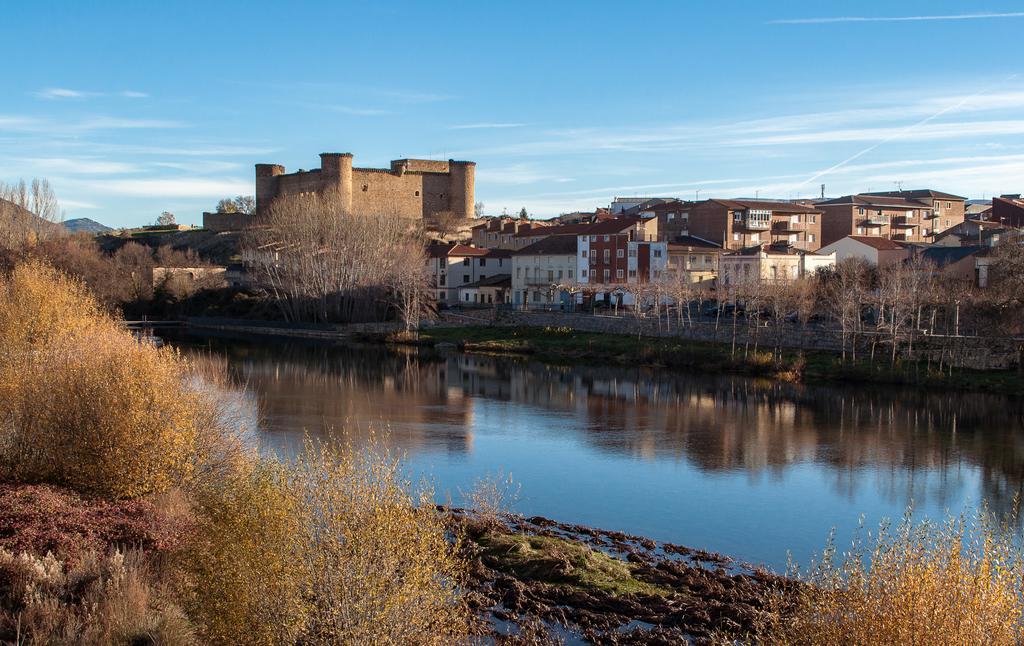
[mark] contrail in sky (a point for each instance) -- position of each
(961, 16)
(900, 133)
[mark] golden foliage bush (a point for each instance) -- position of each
(958, 582)
(336, 546)
(85, 404)
(380, 566)
(244, 572)
(39, 303)
(102, 414)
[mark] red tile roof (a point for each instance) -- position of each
(444, 250)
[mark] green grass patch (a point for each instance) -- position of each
(561, 562)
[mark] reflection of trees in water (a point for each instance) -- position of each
(906, 444)
(351, 395)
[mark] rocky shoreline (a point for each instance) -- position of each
(535, 580)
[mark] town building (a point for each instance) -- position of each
(451, 266)
(977, 209)
(876, 251)
(1008, 210)
(583, 217)
(694, 259)
(541, 270)
(410, 188)
(493, 290)
(763, 263)
(527, 237)
(947, 209)
(633, 205)
(500, 233)
(620, 251)
(672, 215)
(973, 232)
(742, 223)
(910, 216)
(957, 263)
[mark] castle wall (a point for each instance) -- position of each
(411, 188)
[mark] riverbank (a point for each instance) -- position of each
(567, 346)
(552, 579)
(528, 576)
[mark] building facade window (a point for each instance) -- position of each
(618, 273)
(619, 253)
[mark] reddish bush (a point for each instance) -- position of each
(42, 518)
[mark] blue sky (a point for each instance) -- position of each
(133, 108)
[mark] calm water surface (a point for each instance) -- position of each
(747, 468)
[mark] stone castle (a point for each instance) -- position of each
(411, 188)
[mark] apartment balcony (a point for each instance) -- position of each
(903, 222)
(787, 226)
(874, 221)
(756, 224)
(930, 215)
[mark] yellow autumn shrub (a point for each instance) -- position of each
(102, 414)
(380, 567)
(85, 404)
(245, 577)
(39, 303)
(956, 582)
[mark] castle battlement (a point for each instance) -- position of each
(410, 188)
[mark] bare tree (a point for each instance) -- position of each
(28, 212)
(444, 224)
(320, 263)
(478, 209)
(166, 219)
(844, 290)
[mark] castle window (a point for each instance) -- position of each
(417, 193)
(365, 188)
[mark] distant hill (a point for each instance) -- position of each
(85, 225)
(16, 222)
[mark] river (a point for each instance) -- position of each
(753, 469)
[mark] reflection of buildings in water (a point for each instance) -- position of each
(904, 444)
(400, 400)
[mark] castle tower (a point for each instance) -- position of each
(336, 172)
(462, 175)
(266, 183)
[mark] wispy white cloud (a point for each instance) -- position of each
(48, 166)
(485, 126)
(63, 93)
(839, 19)
(77, 204)
(68, 93)
(357, 112)
(180, 187)
(26, 124)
